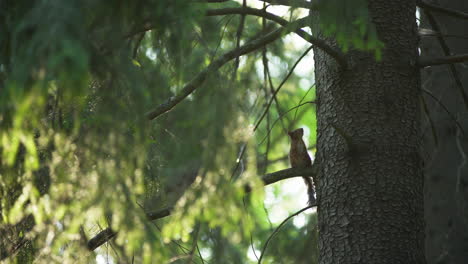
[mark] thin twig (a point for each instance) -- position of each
(281, 85)
(443, 44)
(429, 119)
(194, 243)
(240, 29)
(446, 110)
(308, 102)
(200, 255)
(279, 227)
(302, 99)
(278, 107)
(266, 77)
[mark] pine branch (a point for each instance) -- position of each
(214, 66)
(107, 234)
(335, 53)
(219, 62)
(425, 62)
(443, 10)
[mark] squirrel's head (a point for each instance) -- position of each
(296, 134)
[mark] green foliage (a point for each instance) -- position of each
(78, 155)
(350, 24)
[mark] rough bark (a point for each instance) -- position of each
(446, 172)
(370, 189)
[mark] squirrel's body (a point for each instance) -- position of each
(299, 158)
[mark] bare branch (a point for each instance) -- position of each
(443, 10)
(446, 49)
(335, 53)
(425, 62)
(218, 63)
(107, 234)
(214, 66)
(281, 85)
(281, 116)
(279, 227)
(293, 3)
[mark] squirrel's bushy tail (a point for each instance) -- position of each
(310, 190)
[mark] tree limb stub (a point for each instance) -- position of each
(107, 234)
(425, 62)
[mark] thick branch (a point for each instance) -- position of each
(107, 234)
(335, 53)
(443, 10)
(424, 62)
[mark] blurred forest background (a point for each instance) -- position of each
(79, 154)
(82, 167)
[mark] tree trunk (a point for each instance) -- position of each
(370, 189)
(446, 184)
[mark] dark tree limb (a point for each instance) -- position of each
(214, 66)
(335, 53)
(219, 62)
(442, 10)
(101, 238)
(293, 3)
(247, 48)
(107, 234)
(425, 62)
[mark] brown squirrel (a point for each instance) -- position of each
(299, 157)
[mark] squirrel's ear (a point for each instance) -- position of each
(301, 130)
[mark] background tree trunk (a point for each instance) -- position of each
(446, 192)
(370, 190)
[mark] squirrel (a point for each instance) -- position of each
(299, 158)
